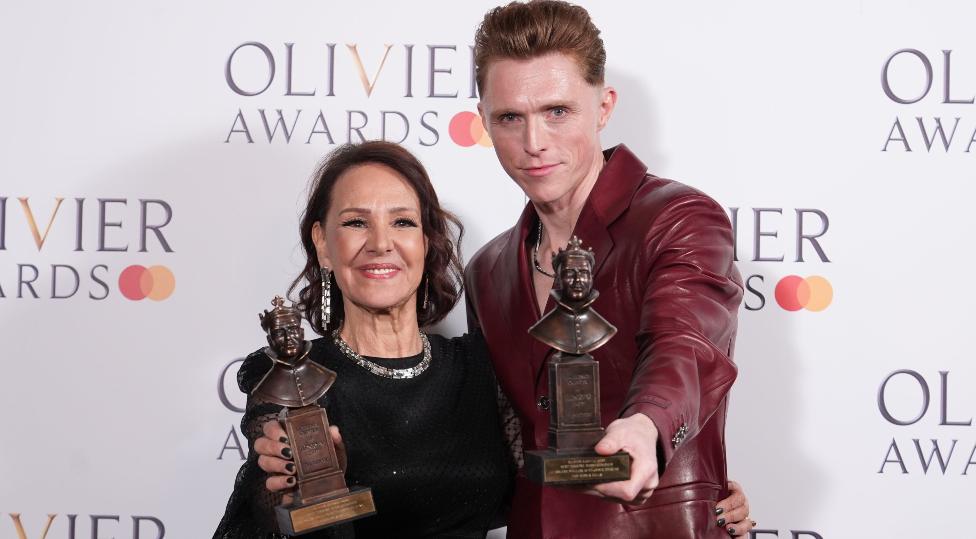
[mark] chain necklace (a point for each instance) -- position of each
(535, 254)
(380, 370)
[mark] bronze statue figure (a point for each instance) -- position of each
(293, 382)
(573, 329)
(321, 497)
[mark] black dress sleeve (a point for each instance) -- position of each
(509, 421)
(250, 510)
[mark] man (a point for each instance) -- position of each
(663, 268)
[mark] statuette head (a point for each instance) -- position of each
(283, 325)
(574, 270)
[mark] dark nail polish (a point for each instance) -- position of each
(721, 522)
(283, 439)
(753, 523)
(719, 510)
(290, 467)
(286, 452)
(290, 481)
(731, 531)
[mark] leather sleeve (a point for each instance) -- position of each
(687, 323)
(470, 298)
(250, 509)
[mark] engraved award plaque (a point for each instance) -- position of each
(573, 330)
(321, 497)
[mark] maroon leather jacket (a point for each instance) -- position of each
(666, 279)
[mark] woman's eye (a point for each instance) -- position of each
(355, 223)
(404, 222)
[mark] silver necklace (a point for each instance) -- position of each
(380, 370)
(535, 254)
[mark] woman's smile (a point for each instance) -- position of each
(379, 271)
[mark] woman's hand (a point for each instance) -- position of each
(733, 512)
(276, 458)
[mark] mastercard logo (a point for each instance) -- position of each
(812, 293)
(155, 282)
(466, 130)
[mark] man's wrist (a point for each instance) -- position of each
(643, 419)
(647, 412)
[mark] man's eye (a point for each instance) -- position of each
(507, 117)
(560, 111)
(355, 223)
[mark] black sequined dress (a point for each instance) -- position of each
(431, 447)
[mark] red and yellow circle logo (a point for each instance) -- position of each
(466, 130)
(812, 293)
(155, 282)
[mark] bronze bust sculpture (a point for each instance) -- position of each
(293, 381)
(321, 497)
(573, 329)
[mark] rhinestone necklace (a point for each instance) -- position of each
(535, 254)
(380, 370)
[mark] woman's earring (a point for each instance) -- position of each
(426, 303)
(326, 296)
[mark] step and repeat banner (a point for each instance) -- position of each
(156, 156)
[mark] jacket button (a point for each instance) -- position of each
(543, 403)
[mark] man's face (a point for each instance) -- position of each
(544, 121)
(286, 340)
(575, 278)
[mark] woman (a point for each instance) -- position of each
(420, 424)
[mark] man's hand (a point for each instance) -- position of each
(636, 435)
(275, 456)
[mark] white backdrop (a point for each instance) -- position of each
(115, 423)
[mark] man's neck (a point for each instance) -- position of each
(559, 217)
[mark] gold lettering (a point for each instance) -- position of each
(315, 462)
(578, 380)
(314, 444)
(308, 429)
(21, 534)
(367, 85)
(38, 238)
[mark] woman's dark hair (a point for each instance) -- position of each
(442, 265)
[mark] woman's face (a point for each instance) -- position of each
(373, 240)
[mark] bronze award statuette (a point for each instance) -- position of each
(573, 330)
(321, 497)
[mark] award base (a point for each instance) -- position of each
(551, 467)
(299, 518)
